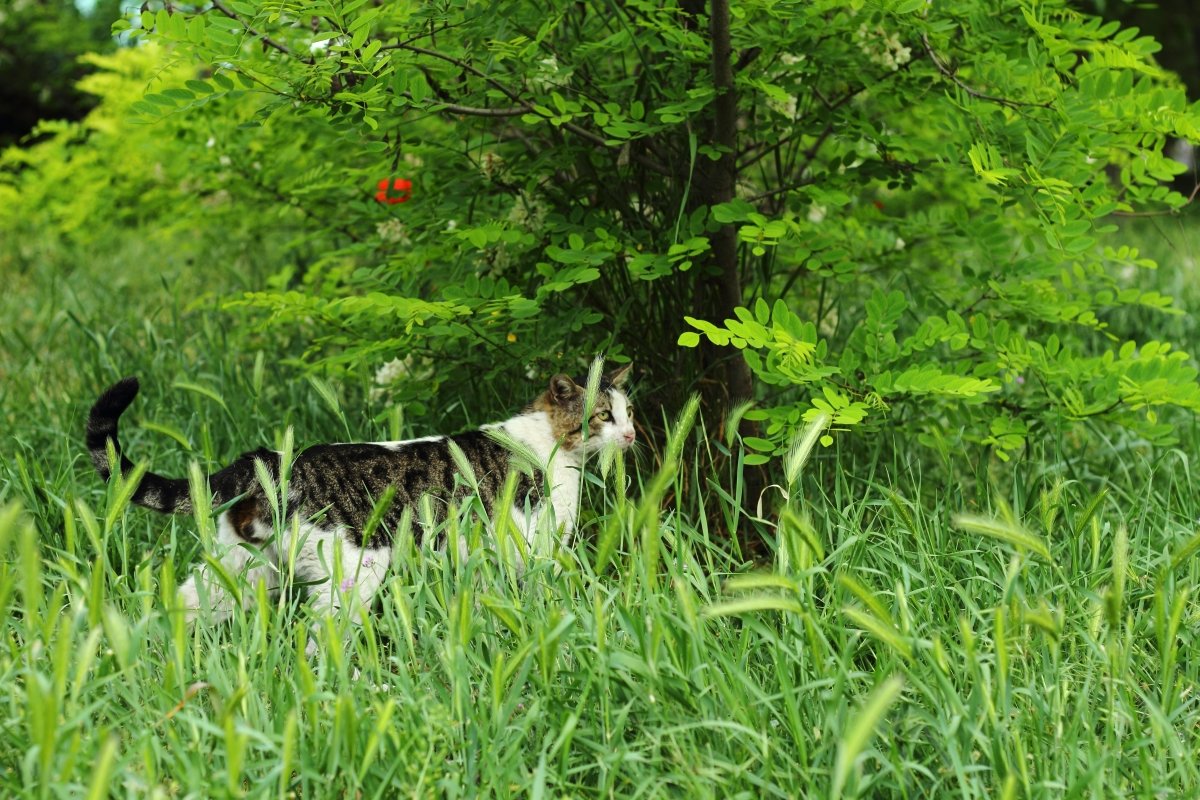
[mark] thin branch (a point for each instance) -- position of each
(526, 107)
(458, 62)
(800, 180)
(969, 310)
(283, 48)
(950, 74)
(830, 105)
(1163, 213)
(475, 111)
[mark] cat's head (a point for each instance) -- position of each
(610, 419)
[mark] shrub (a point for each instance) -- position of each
(894, 211)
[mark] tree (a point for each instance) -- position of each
(892, 212)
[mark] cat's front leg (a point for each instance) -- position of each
(204, 594)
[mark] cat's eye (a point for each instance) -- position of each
(629, 411)
(604, 416)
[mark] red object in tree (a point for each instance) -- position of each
(402, 188)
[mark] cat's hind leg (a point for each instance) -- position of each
(341, 574)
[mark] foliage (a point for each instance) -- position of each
(40, 44)
(921, 228)
(882, 651)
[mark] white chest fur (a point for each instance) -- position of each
(561, 467)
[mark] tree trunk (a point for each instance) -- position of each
(722, 182)
(724, 179)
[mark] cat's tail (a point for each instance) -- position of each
(168, 495)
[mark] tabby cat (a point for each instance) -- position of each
(333, 488)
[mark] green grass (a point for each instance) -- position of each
(1025, 633)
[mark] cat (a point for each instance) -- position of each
(333, 488)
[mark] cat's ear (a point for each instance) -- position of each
(563, 389)
(618, 376)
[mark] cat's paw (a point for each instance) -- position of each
(189, 600)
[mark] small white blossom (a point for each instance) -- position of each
(392, 231)
(900, 243)
(492, 165)
(883, 48)
(816, 213)
(527, 212)
(549, 74)
(785, 107)
(393, 370)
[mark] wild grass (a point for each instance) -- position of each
(916, 633)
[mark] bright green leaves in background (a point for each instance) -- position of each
(922, 206)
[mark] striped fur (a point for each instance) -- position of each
(333, 488)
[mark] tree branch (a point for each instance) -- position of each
(283, 48)
(526, 107)
(475, 111)
(950, 74)
(1163, 213)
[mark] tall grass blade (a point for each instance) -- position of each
(862, 728)
(99, 787)
(1007, 532)
(801, 448)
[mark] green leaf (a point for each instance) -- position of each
(736, 210)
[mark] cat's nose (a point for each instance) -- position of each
(628, 436)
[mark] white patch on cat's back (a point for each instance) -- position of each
(401, 444)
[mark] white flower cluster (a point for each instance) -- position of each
(392, 231)
(786, 107)
(392, 370)
(882, 48)
(492, 165)
(527, 212)
(549, 75)
(415, 370)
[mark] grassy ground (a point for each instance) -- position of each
(1045, 648)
